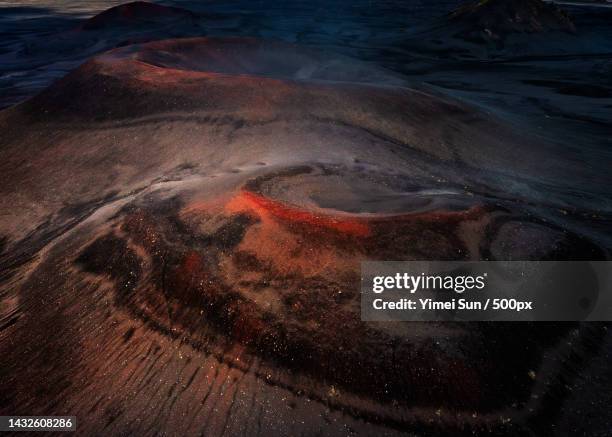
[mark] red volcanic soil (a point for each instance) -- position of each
(134, 13)
(282, 211)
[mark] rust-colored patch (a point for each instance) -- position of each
(282, 211)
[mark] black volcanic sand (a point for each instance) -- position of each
(494, 20)
(47, 48)
(182, 227)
